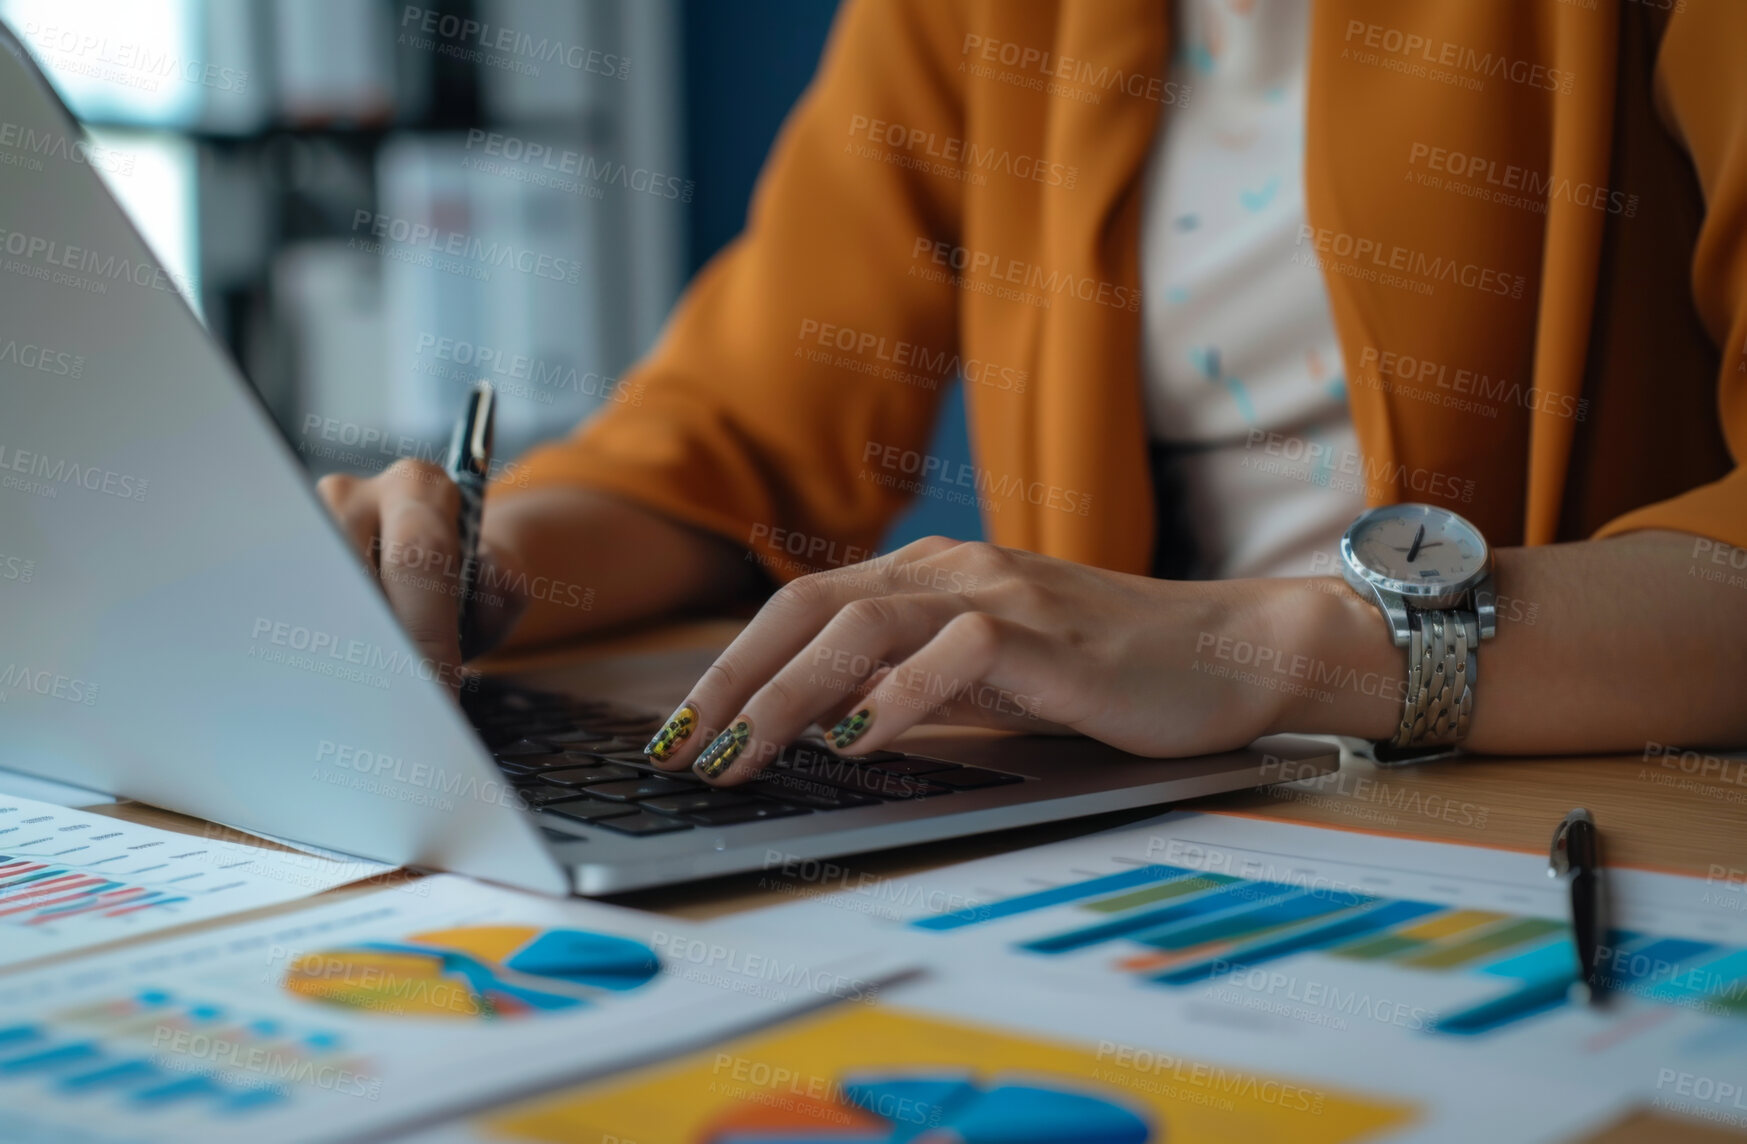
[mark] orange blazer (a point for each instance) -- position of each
(1530, 215)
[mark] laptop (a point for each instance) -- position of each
(188, 627)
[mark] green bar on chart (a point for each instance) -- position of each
(1160, 893)
(1504, 937)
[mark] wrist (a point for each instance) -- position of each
(1344, 675)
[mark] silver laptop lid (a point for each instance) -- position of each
(179, 621)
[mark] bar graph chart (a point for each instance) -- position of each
(70, 878)
(1175, 927)
(153, 1050)
(36, 892)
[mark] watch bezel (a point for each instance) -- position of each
(1420, 594)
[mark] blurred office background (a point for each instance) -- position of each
(373, 202)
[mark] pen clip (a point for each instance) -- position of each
(1559, 854)
(470, 446)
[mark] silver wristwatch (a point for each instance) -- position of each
(1429, 573)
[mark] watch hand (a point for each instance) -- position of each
(1422, 548)
(1418, 537)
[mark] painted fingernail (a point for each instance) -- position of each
(724, 749)
(676, 730)
(850, 728)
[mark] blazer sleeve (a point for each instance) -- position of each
(790, 358)
(1701, 88)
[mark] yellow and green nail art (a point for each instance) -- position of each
(850, 728)
(676, 730)
(724, 749)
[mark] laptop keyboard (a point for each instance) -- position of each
(581, 761)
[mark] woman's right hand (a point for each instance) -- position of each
(404, 523)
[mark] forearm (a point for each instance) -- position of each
(592, 560)
(1602, 646)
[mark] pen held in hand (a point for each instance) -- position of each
(469, 465)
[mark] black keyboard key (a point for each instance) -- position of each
(524, 748)
(643, 786)
(974, 778)
(590, 809)
(621, 754)
(641, 728)
(538, 796)
(575, 739)
(745, 812)
(643, 822)
(532, 778)
(576, 776)
(690, 801)
(912, 766)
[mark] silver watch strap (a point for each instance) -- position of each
(1440, 684)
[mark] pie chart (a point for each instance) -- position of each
(938, 1108)
(475, 973)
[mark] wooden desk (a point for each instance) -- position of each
(1662, 814)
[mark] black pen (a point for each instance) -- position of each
(1576, 856)
(469, 465)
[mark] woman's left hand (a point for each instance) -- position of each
(943, 631)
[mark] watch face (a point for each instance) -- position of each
(1416, 550)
